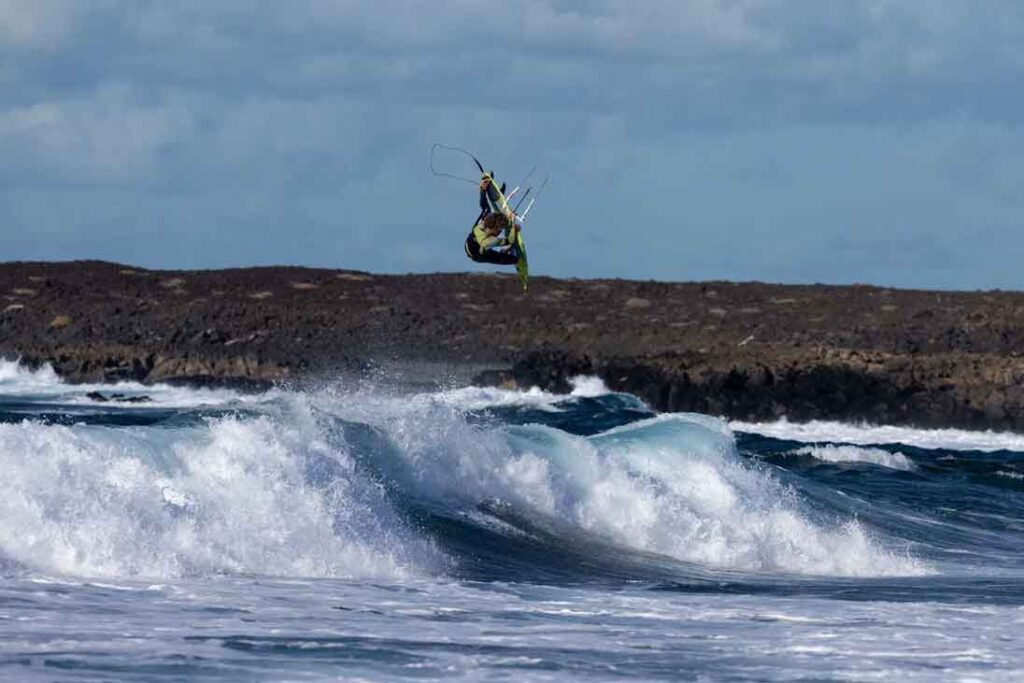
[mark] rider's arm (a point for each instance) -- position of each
(498, 203)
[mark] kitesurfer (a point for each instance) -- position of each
(484, 243)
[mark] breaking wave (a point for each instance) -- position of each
(374, 483)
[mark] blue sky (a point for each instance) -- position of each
(876, 141)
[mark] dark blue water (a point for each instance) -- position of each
(371, 533)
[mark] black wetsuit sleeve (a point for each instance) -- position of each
(492, 198)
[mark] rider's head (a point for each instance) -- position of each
(486, 178)
(494, 223)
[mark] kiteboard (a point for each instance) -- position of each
(522, 265)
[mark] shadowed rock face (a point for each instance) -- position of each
(745, 350)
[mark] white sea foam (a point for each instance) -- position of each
(588, 386)
(230, 496)
(44, 384)
(479, 398)
(873, 456)
(866, 435)
(14, 375)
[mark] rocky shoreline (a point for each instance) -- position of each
(749, 351)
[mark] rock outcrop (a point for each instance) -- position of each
(745, 350)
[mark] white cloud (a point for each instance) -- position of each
(38, 23)
(102, 137)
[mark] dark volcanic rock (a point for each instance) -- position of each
(100, 397)
(750, 350)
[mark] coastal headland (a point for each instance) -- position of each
(749, 351)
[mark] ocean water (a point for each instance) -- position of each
(365, 532)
